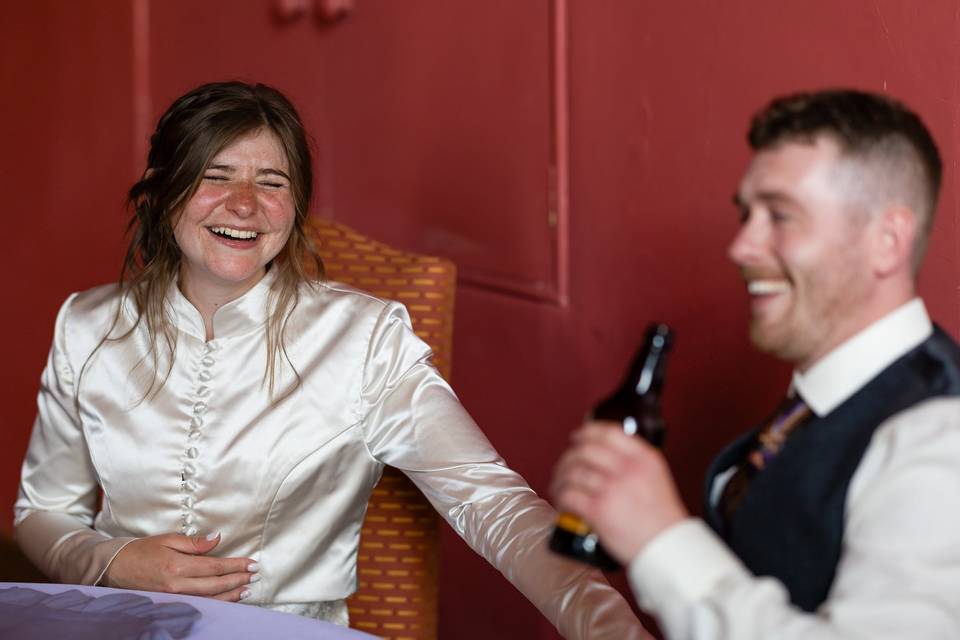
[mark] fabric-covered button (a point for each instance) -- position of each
(200, 408)
(204, 375)
(192, 452)
(208, 361)
(191, 531)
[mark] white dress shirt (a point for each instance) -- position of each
(286, 479)
(899, 573)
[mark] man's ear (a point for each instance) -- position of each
(894, 232)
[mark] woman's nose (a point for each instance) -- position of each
(242, 200)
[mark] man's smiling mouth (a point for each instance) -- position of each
(767, 287)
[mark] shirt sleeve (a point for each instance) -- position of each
(897, 576)
(57, 499)
(415, 423)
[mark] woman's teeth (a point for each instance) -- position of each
(236, 234)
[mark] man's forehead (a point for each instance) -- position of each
(788, 166)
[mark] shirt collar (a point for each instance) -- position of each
(843, 371)
(237, 317)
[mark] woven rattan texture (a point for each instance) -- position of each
(397, 564)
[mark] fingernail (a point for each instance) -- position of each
(245, 594)
(255, 578)
(213, 536)
(253, 567)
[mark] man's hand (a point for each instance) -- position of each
(620, 485)
(174, 563)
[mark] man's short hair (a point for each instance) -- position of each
(880, 131)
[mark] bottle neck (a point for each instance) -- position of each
(650, 364)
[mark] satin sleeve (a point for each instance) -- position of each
(415, 423)
(57, 499)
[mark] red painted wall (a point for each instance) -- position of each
(66, 159)
(659, 99)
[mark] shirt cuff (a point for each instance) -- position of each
(65, 549)
(680, 566)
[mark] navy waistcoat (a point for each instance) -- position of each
(790, 523)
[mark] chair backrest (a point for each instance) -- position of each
(397, 563)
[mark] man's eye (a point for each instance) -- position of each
(779, 216)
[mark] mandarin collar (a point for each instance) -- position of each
(247, 313)
(846, 369)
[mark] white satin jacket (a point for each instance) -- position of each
(285, 481)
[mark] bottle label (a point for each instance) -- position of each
(573, 524)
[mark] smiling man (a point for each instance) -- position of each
(839, 517)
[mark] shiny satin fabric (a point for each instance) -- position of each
(285, 479)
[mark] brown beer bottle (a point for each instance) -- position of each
(635, 405)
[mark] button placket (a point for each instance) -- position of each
(189, 467)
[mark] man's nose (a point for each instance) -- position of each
(751, 241)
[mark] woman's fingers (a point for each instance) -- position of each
(221, 578)
(215, 586)
(234, 595)
(201, 566)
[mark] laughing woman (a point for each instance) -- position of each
(236, 413)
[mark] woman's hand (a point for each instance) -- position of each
(174, 563)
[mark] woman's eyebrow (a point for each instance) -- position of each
(273, 172)
(230, 169)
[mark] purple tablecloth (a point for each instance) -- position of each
(51, 611)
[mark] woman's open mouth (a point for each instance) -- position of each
(233, 234)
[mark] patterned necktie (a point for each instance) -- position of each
(791, 413)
